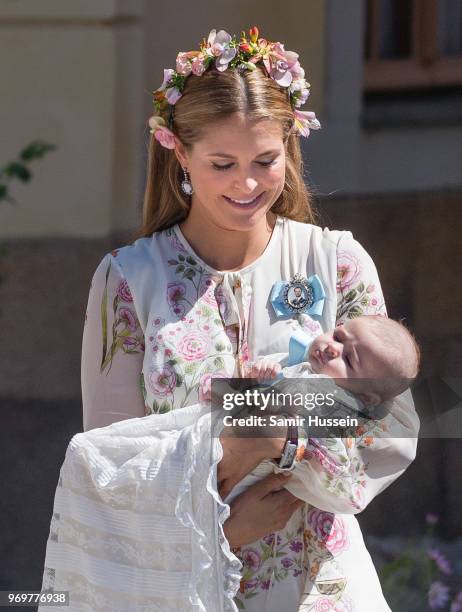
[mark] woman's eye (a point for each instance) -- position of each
(264, 164)
(217, 167)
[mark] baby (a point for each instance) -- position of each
(370, 356)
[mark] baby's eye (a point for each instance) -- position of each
(348, 362)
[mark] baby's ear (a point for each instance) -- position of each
(370, 398)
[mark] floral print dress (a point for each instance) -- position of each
(160, 323)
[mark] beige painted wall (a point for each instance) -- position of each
(74, 78)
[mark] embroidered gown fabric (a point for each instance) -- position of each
(160, 323)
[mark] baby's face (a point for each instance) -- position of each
(351, 350)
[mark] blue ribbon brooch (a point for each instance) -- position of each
(301, 294)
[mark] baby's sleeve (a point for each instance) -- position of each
(112, 350)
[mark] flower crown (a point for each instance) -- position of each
(224, 52)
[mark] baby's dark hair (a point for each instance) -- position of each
(403, 352)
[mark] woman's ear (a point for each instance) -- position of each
(180, 153)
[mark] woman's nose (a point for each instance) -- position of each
(247, 185)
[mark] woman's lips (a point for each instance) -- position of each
(250, 205)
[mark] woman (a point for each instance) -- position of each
(191, 299)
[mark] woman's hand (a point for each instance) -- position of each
(241, 456)
(263, 508)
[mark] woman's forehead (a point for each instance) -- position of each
(230, 136)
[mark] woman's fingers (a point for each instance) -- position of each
(263, 508)
(270, 484)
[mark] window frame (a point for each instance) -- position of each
(424, 69)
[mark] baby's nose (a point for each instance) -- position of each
(333, 350)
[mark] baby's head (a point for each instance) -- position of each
(377, 357)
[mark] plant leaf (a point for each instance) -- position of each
(36, 150)
(15, 169)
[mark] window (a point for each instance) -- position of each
(412, 44)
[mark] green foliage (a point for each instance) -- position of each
(18, 168)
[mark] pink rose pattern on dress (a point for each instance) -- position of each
(354, 296)
(348, 270)
(205, 384)
(329, 530)
(194, 346)
(162, 381)
(328, 604)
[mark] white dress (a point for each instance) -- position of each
(160, 322)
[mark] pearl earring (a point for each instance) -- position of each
(186, 185)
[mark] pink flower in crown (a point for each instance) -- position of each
(173, 94)
(123, 291)
(304, 121)
(348, 270)
(194, 346)
(165, 137)
(198, 65)
(218, 46)
(329, 529)
(282, 65)
(129, 318)
(205, 384)
(183, 65)
(300, 85)
(162, 381)
(168, 73)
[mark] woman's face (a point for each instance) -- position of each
(235, 160)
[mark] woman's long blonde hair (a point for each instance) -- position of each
(211, 97)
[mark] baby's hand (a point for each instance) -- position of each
(262, 369)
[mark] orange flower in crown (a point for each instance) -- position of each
(224, 52)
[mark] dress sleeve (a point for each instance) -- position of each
(112, 350)
(342, 475)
